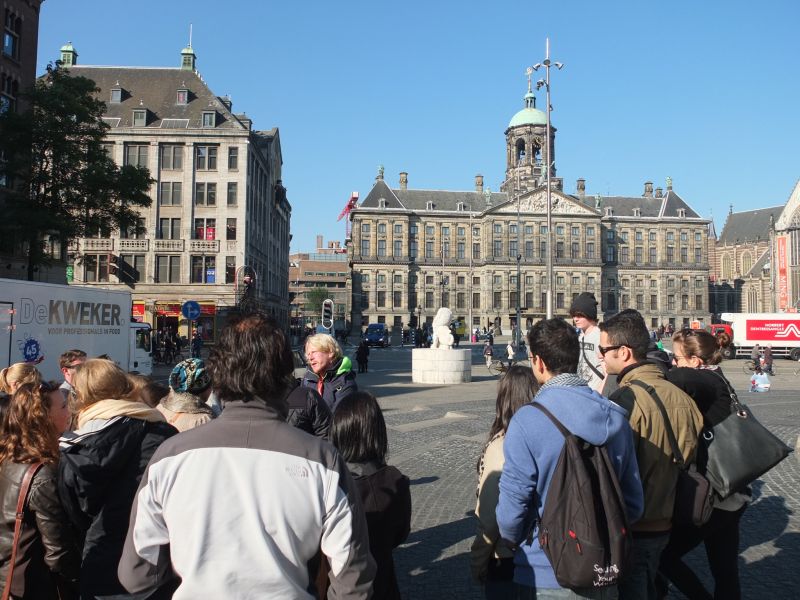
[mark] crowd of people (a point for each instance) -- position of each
(238, 480)
(116, 486)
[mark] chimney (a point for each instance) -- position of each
(403, 180)
(659, 193)
(648, 189)
(227, 102)
(319, 242)
(479, 183)
(581, 187)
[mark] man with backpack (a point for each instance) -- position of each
(623, 345)
(540, 457)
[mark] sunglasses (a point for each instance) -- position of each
(604, 349)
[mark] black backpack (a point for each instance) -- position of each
(584, 529)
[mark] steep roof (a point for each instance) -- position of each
(156, 90)
(442, 200)
(749, 226)
(652, 207)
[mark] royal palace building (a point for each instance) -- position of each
(217, 231)
(480, 253)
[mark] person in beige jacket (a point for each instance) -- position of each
(491, 562)
(189, 386)
(624, 339)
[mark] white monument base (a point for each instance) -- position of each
(441, 366)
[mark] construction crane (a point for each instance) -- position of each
(351, 204)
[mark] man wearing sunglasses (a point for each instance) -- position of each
(624, 340)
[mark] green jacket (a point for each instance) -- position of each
(657, 469)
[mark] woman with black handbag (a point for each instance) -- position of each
(697, 354)
(39, 557)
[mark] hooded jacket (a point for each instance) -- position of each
(657, 468)
(47, 546)
(532, 448)
(100, 468)
(308, 411)
(338, 382)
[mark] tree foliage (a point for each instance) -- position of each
(314, 299)
(61, 182)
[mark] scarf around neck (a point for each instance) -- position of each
(108, 409)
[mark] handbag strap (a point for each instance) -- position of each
(667, 425)
(27, 479)
(731, 392)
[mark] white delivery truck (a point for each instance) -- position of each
(780, 330)
(40, 321)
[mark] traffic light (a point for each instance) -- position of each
(327, 314)
(113, 264)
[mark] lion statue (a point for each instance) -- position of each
(442, 338)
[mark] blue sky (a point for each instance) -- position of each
(704, 92)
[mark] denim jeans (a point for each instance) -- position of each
(524, 592)
(640, 582)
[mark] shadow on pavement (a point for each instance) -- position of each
(421, 480)
(421, 573)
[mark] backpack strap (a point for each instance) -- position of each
(667, 425)
(24, 488)
(594, 369)
(564, 431)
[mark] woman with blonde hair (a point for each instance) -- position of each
(329, 372)
(101, 465)
(47, 558)
(18, 374)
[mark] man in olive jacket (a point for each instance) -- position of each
(623, 345)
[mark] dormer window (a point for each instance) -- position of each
(116, 95)
(637, 212)
(209, 118)
(182, 98)
(681, 213)
(609, 211)
(429, 205)
(381, 202)
(140, 118)
(460, 207)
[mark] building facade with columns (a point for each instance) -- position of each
(217, 231)
(481, 253)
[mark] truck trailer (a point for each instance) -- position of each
(780, 330)
(40, 321)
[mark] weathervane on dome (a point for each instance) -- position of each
(529, 73)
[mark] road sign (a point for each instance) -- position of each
(190, 310)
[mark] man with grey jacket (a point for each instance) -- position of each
(247, 493)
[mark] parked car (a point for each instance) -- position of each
(377, 334)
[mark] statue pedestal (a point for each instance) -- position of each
(441, 366)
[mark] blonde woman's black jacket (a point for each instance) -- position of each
(308, 411)
(99, 474)
(47, 549)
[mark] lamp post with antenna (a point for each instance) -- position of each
(549, 165)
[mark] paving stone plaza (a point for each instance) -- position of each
(436, 434)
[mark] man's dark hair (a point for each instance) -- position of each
(70, 356)
(358, 430)
(253, 359)
(556, 343)
(627, 328)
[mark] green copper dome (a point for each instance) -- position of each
(530, 115)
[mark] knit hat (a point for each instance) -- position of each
(586, 305)
(190, 376)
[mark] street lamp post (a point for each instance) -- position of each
(549, 165)
(517, 329)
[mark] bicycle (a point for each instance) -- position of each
(749, 367)
(498, 366)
